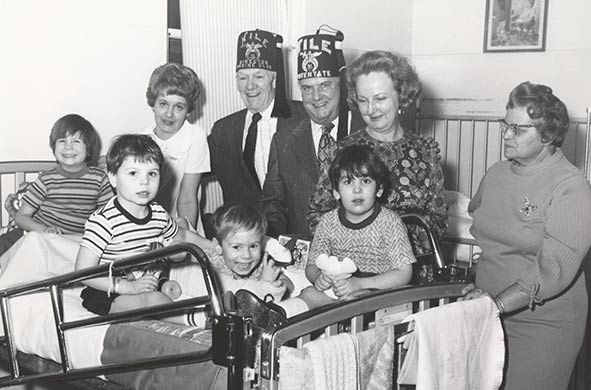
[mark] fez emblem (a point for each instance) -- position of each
(252, 50)
(527, 208)
(310, 63)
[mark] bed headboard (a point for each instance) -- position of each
(12, 174)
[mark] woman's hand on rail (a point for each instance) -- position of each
(473, 292)
(145, 284)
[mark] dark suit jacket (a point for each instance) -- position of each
(291, 178)
(225, 146)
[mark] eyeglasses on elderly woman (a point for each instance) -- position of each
(515, 128)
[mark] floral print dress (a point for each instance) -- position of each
(416, 183)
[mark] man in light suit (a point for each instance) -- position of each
(240, 142)
(297, 154)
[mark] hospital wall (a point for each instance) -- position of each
(95, 59)
(88, 57)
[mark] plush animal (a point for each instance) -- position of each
(278, 252)
(335, 268)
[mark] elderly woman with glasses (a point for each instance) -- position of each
(532, 219)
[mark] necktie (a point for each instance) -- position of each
(326, 145)
(250, 146)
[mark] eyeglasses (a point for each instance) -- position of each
(514, 127)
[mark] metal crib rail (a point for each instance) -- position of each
(273, 338)
(55, 286)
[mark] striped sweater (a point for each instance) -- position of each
(66, 200)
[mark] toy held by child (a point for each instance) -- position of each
(127, 225)
(61, 200)
(373, 237)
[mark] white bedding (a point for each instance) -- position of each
(459, 223)
(39, 256)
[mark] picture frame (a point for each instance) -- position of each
(515, 26)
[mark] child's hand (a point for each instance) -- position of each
(53, 230)
(270, 271)
(323, 282)
(347, 286)
(146, 283)
(276, 289)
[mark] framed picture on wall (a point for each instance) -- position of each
(515, 25)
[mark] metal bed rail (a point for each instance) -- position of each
(55, 286)
(348, 315)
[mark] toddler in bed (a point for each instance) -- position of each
(240, 259)
(61, 200)
(372, 236)
(240, 254)
(130, 223)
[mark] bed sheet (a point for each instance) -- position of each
(39, 256)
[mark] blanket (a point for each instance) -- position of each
(456, 346)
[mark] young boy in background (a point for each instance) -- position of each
(127, 225)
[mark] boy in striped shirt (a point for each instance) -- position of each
(61, 200)
(127, 225)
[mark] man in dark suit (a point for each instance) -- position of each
(298, 154)
(240, 142)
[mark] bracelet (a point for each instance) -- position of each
(499, 304)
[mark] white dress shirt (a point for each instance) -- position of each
(266, 127)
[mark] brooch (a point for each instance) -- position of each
(527, 208)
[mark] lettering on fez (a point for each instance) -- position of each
(257, 63)
(308, 44)
(318, 73)
(254, 36)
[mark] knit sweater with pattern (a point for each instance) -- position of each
(377, 245)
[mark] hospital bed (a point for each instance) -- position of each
(200, 353)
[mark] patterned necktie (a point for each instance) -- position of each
(250, 146)
(326, 145)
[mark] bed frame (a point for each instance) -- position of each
(376, 308)
(232, 336)
(55, 286)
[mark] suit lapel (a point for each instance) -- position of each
(302, 146)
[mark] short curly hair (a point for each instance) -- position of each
(548, 112)
(396, 66)
(174, 79)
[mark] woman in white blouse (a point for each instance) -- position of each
(172, 93)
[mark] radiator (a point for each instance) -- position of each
(470, 145)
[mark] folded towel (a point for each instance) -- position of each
(334, 362)
(456, 346)
(296, 369)
(375, 357)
